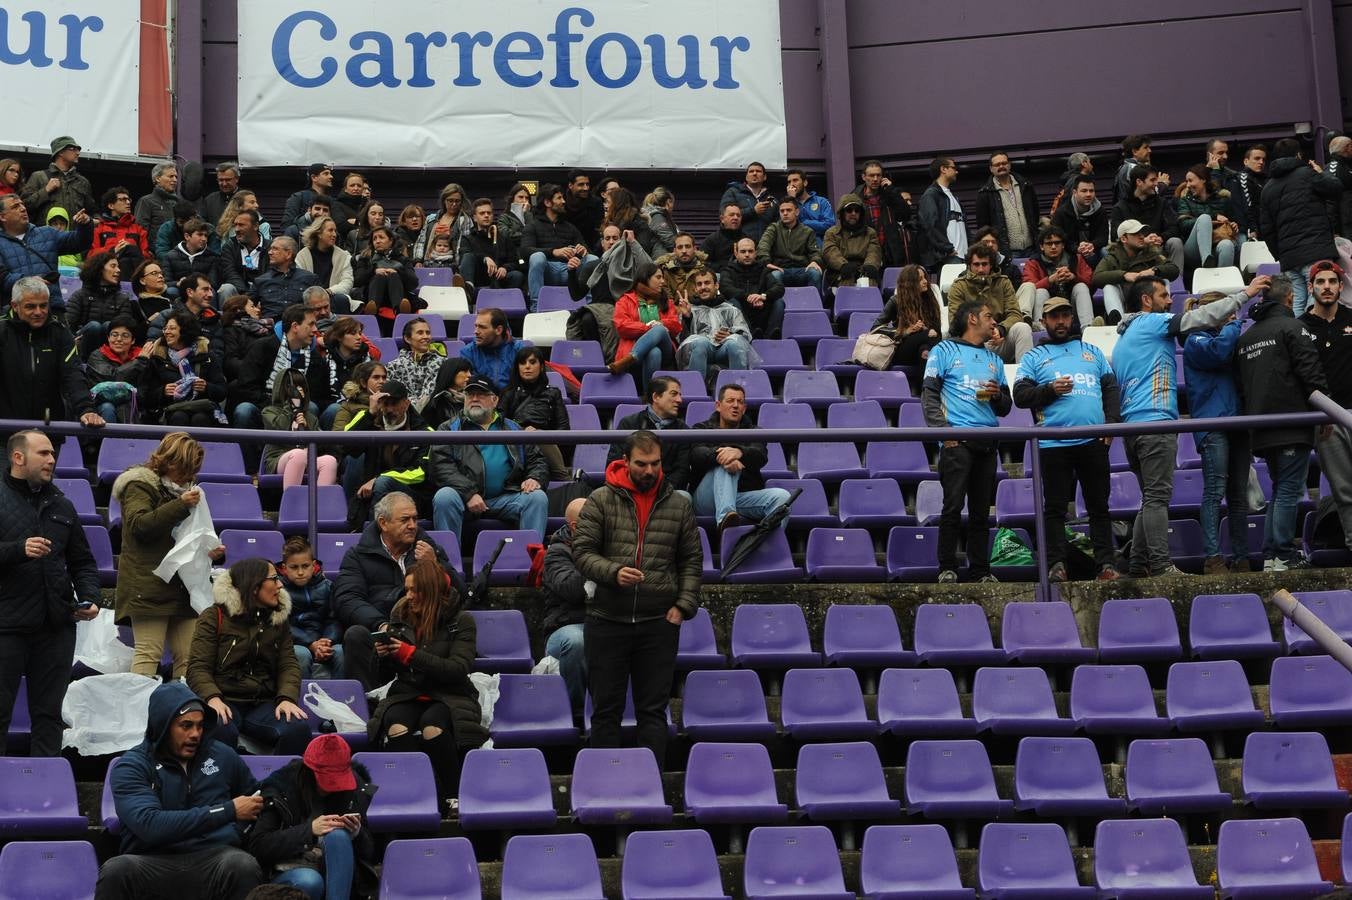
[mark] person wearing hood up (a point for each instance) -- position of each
(182, 797)
(850, 248)
(636, 538)
(1084, 219)
(1294, 220)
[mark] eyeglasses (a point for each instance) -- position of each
(274, 577)
(1053, 242)
(152, 273)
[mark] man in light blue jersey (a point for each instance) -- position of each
(1066, 382)
(965, 387)
(1146, 370)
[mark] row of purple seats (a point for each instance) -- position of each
(52, 870)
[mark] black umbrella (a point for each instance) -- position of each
(747, 543)
(478, 587)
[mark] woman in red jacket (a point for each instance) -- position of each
(648, 323)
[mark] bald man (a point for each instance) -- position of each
(565, 593)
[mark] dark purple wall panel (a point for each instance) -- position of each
(798, 24)
(222, 22)
(1342, 39)
(220, 101)
(803, 105)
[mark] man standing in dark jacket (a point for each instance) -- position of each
(942, 233)
(40, 374)
(637, 540)
(888, 211)
(564, 590)
(181, 798)
(754, 199)
(1330, 323)
(1008, 204)
(749, 282)
(663, 412)
(1278, 369)
(726, 472)
(1294, 219)
(47, 569)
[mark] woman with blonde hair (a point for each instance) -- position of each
(658, 207)
(330, 262)
(241, 200)
(155, 497)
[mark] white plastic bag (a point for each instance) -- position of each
(194, 538)
(97, 645)
(318, 701)
(489, 687)
(376, 694)
(546, 666)
(107, 713)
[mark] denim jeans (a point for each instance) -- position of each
(108, 411)
(733, 353)
(542, 269)
(717, 495)
(804, 277)
(529, 511)
(1080, 296)
(1288, 467)
(248, 415)
(566, 645)
(1153, 458)
(335, 882)
(1225, 473)
(286, 737)
(1300, 288)
(333, 668)
(653, 352)
(1198, 246)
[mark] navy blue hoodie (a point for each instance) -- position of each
(167, 808)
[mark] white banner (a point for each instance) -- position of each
(525, 83)
(71, 68)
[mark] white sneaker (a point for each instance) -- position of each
(1274, 565)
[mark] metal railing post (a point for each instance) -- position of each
(1044, 588)
(312, 492)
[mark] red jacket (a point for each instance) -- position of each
(107, 232)
(1035, 274)
(630, 328)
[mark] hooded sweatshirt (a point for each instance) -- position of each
(166, 806)
(851, 252)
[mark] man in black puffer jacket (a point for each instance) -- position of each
(748, 281)
(40, 374)
(564, 591)
(1294, 218)
(45, 565)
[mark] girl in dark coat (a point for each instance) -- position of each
(241, 325)
(384, 278)
(182, 384)
(98, 301)
(536, 405)
(913, 314)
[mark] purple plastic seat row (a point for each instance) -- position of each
(52, 870)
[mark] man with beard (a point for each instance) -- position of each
(380, 470)
(1084, 219)
(850, 249)
(583, 210)
(715, 333)
(1330, 323)
(682, 265)
(663, 412)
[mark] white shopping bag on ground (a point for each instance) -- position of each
(194, 538)
(97, 645)
(107, 713)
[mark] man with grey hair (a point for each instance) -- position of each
(40, 377)
(157, 207)
(284, 282)
(213, 205)
(318, 301)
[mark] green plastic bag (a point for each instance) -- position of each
(1008, 550)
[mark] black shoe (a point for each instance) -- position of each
(1113, 317)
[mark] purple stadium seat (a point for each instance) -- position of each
(261, 767)
(829, 461)
(37, 798)
(772, 636)
(443, 868)
(603, 390)
(584, 417)
(929, 503)
(1290, 770)
(1114, 700)
(510, 300)
(793, 861)
(911, 415)
(1124, 496)
(349, 692)
(293, 516)
(1267, 858)
(811, 509)
(580, 356)
(1145, 859)
(698, 649)
(1016, 701)
(786, 415)
(330, 550)
(824, 704)
(436, 276)
(802, 297)
(1208, 696)
(389, 347)
(1044, 633)
(1309, 692)
(52, 870)
(674, 863)
(859, 323)
(238, 506)
(514, 563)
(911, 554)
(692, 383)
(1187, 457)
(779, 357)
(769, 563)
(852, 299)
(1015, 504)
(842, 555)
(1185, 544)
(107, 807)
(1186, 502)
(507, 789)
(911, 862)
(842, 781)
(1334, 609)
(754, 382)
(817, 389)
(81, 495)
(711, 573)
(921, 703)
(952, 780)
(241, 544)
(1027, 861)
(613, 786)
(890, 389)
(776, 465)
(558, 866)
(117, 455)
(807, 327)
(1173, 777)
(1324, 557)
(101, 545)
(503, 644)
(1062, 776)
(731, 784)
(434, 322)
(1138, 630)
(863, 636)
(725, 705)
(1230, 626)
(407, 798)
(871, 503)
(450, 542)
(555, 298)
(532, 710)
(70, 459)
(856, 414)
(955, 634)
(833, 355)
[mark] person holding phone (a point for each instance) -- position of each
(312, 832)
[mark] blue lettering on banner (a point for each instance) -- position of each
(518, 57)
(36, 52)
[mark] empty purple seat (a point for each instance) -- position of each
(263, 766)
(811, 509)
(863, 636)
(1044, 633)
(673, 863)
(697, 648)
(513, 564)
(1230, 626)
(911, 862)
(912, 553)
(852, 299)
(407, 799)
(802, 297)
(293, 516)
(1114, 700)
(955, 634)
(389, 347)
(1016, 701)
(731, 784)
(856, 414)
(921, 703)
(81, 496)
(614, 786)
(329, 550)
(238, 506)
(107, 806)
(532, 710)
(1206, 696)
(725, 705)
(1185, 544)
(510, 300)
(786, 415)
(833, 355)
(859, 323)
(1145, 859)
(1186, 503)
(1032, 861)
(603, 390)
(779, 357)
(583, 417)
(871, 503)
(817, 389)
(692, 383)
(1187, 457)
(503, 788)
(70, 458)
(558, 866)
(37, 798)
(101, 545)
(1334, 609)
(807, 327)
(842, 781)
(769, 563)
(1310, 692)
(444, 868)
(1138, 630)
(754, 382)
(240, 544)
(557, 298)
(1267, 858)
(890, 389)
(824, 704)
(842, 555)
(1290, 770)
(1173, 777)
(952, 780)
(793, 861)
(52, 870)
(117, 455)
(830, 461)
(502, 644)
(348, 692)
(1062, 776)
(1015, 504)
(711, 576)
(580, 356)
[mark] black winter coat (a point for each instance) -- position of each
(737, 282)
(675, 456)
(931, 234)
(990, 209)
(40, 372)
(292, 801)
(1295, 221)
(99, 303)
(539, 406)
(703, 457)
(893, 225)
(158, 371)
(178, 265)
(562, 587)
(257, 366)
(232, 264)
(40, 593)
(1278, 368)
(369, 581)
